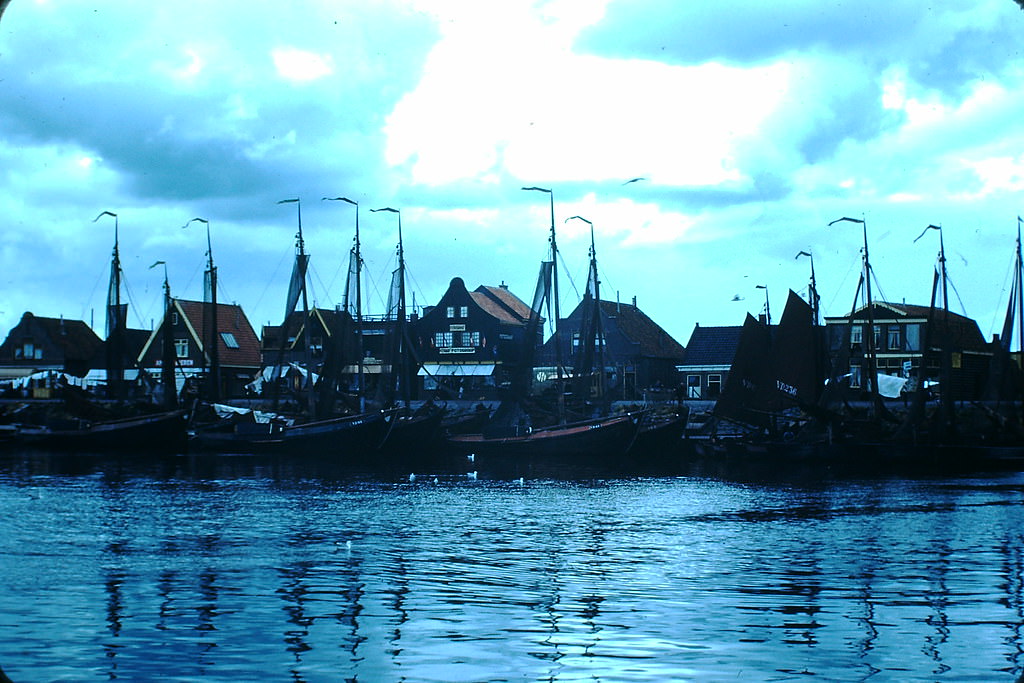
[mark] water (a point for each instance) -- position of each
(235, 568)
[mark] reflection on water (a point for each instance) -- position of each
(242, 569)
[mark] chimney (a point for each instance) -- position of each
(634, 302)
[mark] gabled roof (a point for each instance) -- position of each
(273, 335)
(637, 327)
(501, 303)
(231, 320)
(76, 340)
(712, 345)
(965, 331)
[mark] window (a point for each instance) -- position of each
(693, 386)
(714, 385)
(855, 376)
(894, 337)
(913, 337)
(877, 337)
(229, 340)
(28, 349)
(443, 339)
(174, 318)
(451, 311)
(856, 334)
(181, 348)
(464, 312)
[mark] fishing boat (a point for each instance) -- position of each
(318, 430)
(592, 440)
(513, 432)
(410, 433)
(164, 432)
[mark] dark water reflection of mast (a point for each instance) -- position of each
(294, 593)
(113, 582)
(1013, 577)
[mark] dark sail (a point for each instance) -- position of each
(749, 388)
(797, 361)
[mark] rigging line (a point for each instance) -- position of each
(342, 262)
(191, 279)
(375, 289)
(881, 293)
(417, 290)
(316, 275)
(132, 306)
(271, 279)
(842, 284)
(1000, 310)
(963, 309)
(92, 293)
(565, 270)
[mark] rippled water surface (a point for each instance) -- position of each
(244, 569)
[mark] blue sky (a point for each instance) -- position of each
(752, 125)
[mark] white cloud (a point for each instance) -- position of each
(546, 113)
(298, 65)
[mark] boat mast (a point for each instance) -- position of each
(211, 341)
(168, 357)
(356, 261)
(399, 375)
(869, 336)
(299, 280)
(115, 320)
(592, 328)
(554, 293)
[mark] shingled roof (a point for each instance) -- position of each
(230, 318)
(712, 345)
(639, 328)
(501, 303)
(965, 331)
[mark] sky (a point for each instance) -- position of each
(751, 125)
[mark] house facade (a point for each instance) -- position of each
(638, 355)
(238, 348)
(708, 359)
(469, 342)
(38, 344)
(900, 339)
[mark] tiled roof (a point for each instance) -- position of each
(965, 331)
(501, 303)
(712, 345)
(76, 339)
(640, 329)
(230, 318)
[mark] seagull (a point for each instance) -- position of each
(412, 477)
(471, 475)
(633, 180)
(471, 457)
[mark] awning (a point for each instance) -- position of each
(456, 369)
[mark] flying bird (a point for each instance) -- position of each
(633, 180)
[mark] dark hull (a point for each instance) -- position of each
(412, 434)
(664, 436)
(163, 432)
(867, 457)
(350, 437)
(592, 440)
